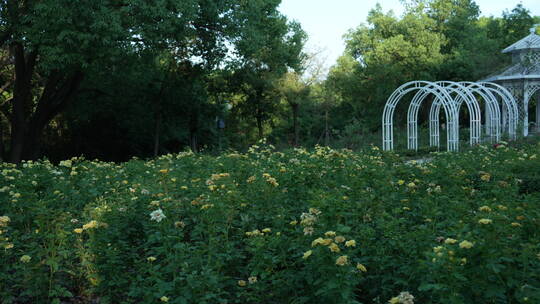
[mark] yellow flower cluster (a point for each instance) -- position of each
(485, 221)
(207, 206)
(25, 258)
(342, 260)
(308, 220)
(466, 244)
(4, 220)
(90, 225)
(361, 267)
(251, 280)
(219, 176)
(258, 232)
(269, 179)
(450, 241)
(484, 209)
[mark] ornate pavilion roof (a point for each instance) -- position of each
(526, 60)
(532, 41)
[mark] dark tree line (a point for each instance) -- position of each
(115, 79)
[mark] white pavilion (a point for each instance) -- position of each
(522, 78)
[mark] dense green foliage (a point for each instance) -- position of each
(322, 226)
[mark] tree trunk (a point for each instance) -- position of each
(156, 133)
(27, 129)
(260, 126)
(295, 110)
(158, 117)
(193, 129)
(326, 130)
(57, 94)
(2, 148)
(24, 68)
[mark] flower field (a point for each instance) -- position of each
(322, 226)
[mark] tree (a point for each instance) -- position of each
(53, 45)
(515, 24)
(271, 47)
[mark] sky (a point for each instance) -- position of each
(326, 21)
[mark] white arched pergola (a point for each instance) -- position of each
(510, 109)
(450, 96)
(462, 95)
(440, 93)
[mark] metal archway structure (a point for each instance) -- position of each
(440, 93)
(492, 111)
(450, 96)
(510, 108)
(475, 113)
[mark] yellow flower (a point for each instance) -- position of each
(151, 259)
(342, 260)
(350, 243)
(8, 246)
(502, 207)
(330, 233)
(241, 283)
(401, 182)
(361, 267)
(437, 249)
(90, 225)
(326, 242)
(463, 261)
(293, 223)
(450, 241)
(307, 254)
(207, 206)
(485, 209)
(267, 230)
(520, 217)
(164, 171)
(252, 280)
(394, 300)
(465, 244)
(4, 220)
(164, 299)
(78, 230)
(314, 211)
(25, 258)
(411, 185)
(514, 224)
(339, 239)
(485, 221)
(317, 241)
(334, 247)
(485, 177)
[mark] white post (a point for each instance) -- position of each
(504, 117)
(538, 112)
(526, 112)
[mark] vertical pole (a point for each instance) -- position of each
(504, 116)
(538, 112)
(526, 112)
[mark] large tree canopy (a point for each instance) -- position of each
(54, 45)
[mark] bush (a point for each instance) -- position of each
(321, 226)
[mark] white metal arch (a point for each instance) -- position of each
(440, 93)
(510, 110)
(529, 92)
(475, 114)
(492, 111)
